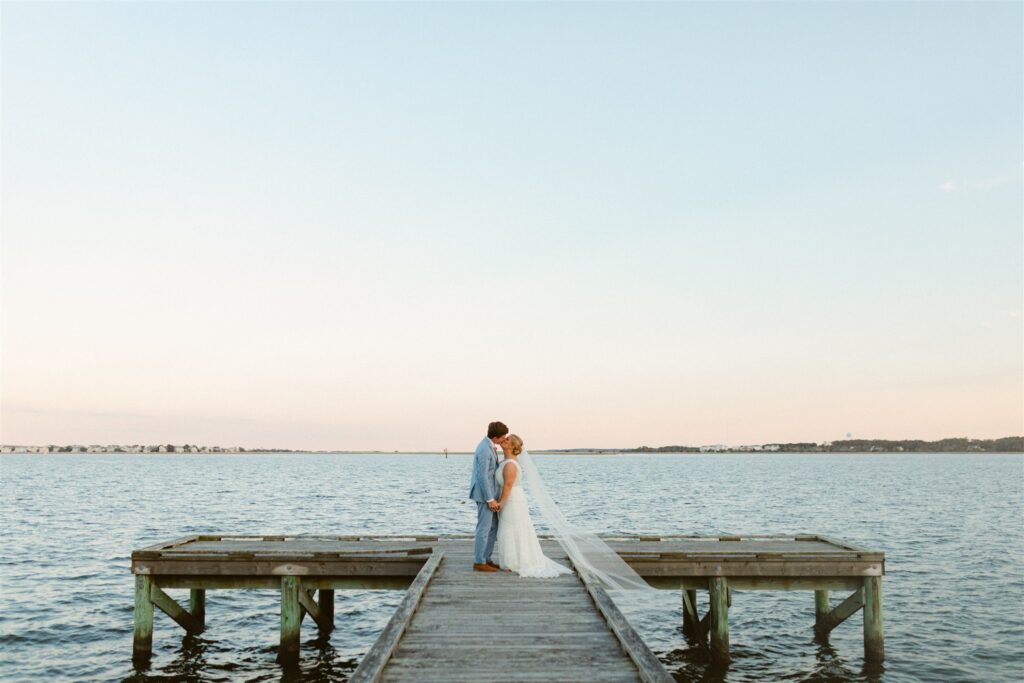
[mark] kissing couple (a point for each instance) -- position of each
(504, 530)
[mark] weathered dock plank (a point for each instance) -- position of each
(370, 669)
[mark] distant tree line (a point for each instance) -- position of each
(1008, 444)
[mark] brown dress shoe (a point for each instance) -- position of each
(493, 564)
(483, 568)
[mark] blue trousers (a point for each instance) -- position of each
(486, 533)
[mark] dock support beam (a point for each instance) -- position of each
(197, 608)
(291, 620)
(311, 607)
(874, 641)
(691, 623)
(172, 609)
(846, 609)
(718, 587)
(142, 648)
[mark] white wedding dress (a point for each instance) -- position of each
(517, 547)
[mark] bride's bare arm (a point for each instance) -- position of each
(510, 475)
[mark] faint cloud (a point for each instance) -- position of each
(981, 184)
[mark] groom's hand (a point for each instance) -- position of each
(493, 504)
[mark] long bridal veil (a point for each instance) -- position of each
(586, 549)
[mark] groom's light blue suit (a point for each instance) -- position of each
(482, 489)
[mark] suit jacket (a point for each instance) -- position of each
(485, 461)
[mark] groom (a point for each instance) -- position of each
(482, 490)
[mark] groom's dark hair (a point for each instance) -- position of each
(496, 430)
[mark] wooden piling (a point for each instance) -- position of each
(197, 607)
(718, 587)
(291, 620)
(325, 597)
(142, 648)
(874, 641)
(821, 608)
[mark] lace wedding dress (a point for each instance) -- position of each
(517, 547)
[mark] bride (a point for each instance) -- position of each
(517, 548)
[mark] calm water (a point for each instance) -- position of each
(952, 527)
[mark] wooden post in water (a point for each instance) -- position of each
(874, 641)
(143, 643)
(691, 624)
(325, 597)
(718, 587)
(291, 620)
(821, 608)
(197, 607)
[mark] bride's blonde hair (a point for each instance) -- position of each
(517, 444)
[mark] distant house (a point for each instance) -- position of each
(717, 448)
(771, 447)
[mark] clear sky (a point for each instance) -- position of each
(380, 226)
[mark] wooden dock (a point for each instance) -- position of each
(454, 624)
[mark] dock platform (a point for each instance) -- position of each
(454, 624)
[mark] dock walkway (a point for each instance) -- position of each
(474, 626)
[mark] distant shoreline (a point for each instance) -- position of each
(1009, 444)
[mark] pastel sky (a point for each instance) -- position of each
(380, 226)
